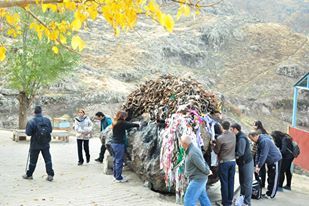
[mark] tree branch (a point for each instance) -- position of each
(41, 22)
(197, 5)
(7, 4)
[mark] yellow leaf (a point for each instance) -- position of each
(53, 35)
(55, 49)
(116, 31)
(2, 53)
(13, 19)
(197, 12)
(33, 25)
(70, 6)
(184, 10)
(2, 12)
(93, 11)
(44, 7)
(168, 22)
(40, 35)
(12, 32)
(63, 40)
(77, 43)
(63, 26)
(51, 7)
(76, 25)
(153, 7)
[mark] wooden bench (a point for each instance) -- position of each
(19, 134)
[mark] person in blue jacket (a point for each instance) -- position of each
(105, 121)
(268, 153)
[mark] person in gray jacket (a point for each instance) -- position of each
(225, 148)
(268, 153)
(197, 171)
(245, 163)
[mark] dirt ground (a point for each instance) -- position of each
(87, 185)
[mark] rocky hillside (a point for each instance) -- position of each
(252, 65)
(292, 13)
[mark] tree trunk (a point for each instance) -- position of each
(24, 106)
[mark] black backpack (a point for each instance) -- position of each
(42, 132)
(296, 150)
(256, 187)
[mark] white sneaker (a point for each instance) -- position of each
(121, 181)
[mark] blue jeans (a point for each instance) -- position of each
(118, 150)
(196, 190)
(226, 175)
(34, 154)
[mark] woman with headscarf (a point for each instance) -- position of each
(83, 128)
(120, 125)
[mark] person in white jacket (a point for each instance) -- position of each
(83, 127)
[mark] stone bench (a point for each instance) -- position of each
(20, 134)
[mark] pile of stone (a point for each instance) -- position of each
(167, 95)
(161, 99)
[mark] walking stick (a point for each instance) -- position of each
(27, 161)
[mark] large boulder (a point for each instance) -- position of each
(144, 148)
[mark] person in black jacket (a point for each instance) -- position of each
(245, 163)
(284, 142)
(39, 128)
(120, 125)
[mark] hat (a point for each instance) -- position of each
(37, 110)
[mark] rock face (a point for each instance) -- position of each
(144, 146)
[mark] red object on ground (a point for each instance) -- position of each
(302, 139)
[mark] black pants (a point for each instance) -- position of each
(102, 152)
(273, 178)
(286, 170)
(34, 154)
(262, 175)
(80, 143)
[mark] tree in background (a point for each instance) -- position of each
(120, 14)
(33, 63)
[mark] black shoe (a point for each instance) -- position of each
(50, 178)
(98, 160)
(88, 159)
(287, 187)
(80, 163)
(26, 177)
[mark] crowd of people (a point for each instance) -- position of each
(255, 155)
(258, 154)
(40, 129)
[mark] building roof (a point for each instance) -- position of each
(303, 83)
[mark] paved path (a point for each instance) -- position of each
(73, 185)
(87, 185)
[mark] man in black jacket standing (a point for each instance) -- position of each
(245, 163)
(39, 128)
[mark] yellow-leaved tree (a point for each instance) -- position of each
(122, 15)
